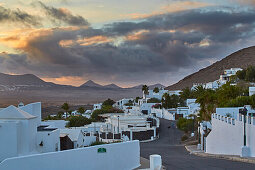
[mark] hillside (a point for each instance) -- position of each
(240, 59)
(26, 79)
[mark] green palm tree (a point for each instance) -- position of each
(81, 110)
(145, 90)
(156, 90)
(65, 107)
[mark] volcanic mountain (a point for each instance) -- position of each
(240, 59)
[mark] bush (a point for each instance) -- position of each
(108, 102)
(185, 124)
(105, 109)
(77, 121)
(153, 100)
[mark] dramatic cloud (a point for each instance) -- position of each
(14, 16)
(59, 15)
(149, 49)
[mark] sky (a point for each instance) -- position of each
(127, 42)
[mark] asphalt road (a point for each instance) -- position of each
(175, 156)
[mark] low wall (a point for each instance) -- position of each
(118, 156)
(227, 134)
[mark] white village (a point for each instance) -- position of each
(113, 140)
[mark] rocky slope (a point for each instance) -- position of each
(240, 59)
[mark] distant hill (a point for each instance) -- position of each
(91, 83)
(23, 80)
(240, 59)
(112, 86)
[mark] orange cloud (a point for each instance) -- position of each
(136, 36)
(173, 7)
(66, 80)
(94, 40)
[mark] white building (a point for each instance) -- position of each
(228, 73)
(224, 78)
(251, 91)
(97, 106)
(21, 133)
(121, 103)
(75, 135)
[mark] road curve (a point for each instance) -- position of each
(175, 156)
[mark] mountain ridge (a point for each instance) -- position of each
(239, 59)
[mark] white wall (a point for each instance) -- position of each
(8, 139)
(88, 140)
(227, 137)
(146, 106)
(118, 156)
(35, 110)
(158, 112)
(169, 115)
(50, 140)
(251, 91)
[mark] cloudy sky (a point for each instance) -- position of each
(127, 42)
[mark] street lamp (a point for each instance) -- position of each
(245, 149)
(244, 113)
(118, 124)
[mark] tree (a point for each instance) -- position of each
(130, 103)
(137, 98)
(172, 101)
(250, 74)
(105, 109)
(186, 94)
(81, 110)
(65, 107)
(153, 100)
(156, 90)
(108, 102)
(145, 90)
(77, 121)
(241, 74)
(185, 124)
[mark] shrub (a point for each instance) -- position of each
(185, 124)
(108, 102)
(77, 121)
(153, 100)
(105, 109)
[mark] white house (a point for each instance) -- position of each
(21, 133)
(228, 73)
(251, 91)
(194, 107)
(97, 106)
(121, 103)
(224, 78)
(75, 135)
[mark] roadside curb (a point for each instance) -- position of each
(226, 157)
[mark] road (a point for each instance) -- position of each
(175, 156)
